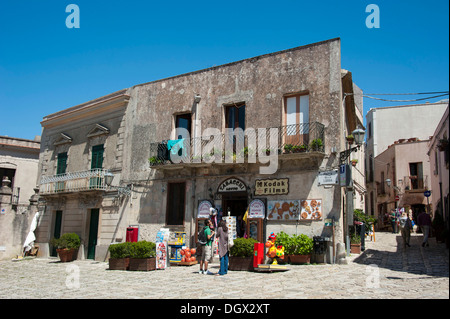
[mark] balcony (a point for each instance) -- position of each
(286, 142)
(91, 180)
(414, 183)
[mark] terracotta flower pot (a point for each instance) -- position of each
(67, 255)
(355, 248)
(300, 259)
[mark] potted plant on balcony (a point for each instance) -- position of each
(67, 246)
(288, 148)
(354, 162)
(143, 256)
(317, 144)
(241, 254)
(301, 249)
(155, 161)
(355, 244)
(120, 256)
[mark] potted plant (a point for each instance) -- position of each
(355, 244)
(143, 256)
(241, 254)
(288, 148)
(317, 144)
(302, 247)
(120, 256)
(350, 139)
(154, 161)
(354, 162)
(67, 246)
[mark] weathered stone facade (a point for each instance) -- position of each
(147, 120)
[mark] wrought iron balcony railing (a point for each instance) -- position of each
(416, 183)
(93, 179)
(240, 147)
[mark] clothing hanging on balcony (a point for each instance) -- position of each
(175, 146)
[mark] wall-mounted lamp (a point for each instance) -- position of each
(388, 182)
(120, 189)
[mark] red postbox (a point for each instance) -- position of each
(132, 234)
(258, 254)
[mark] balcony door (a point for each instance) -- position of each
(61, 169)
(296, 119)
(235, 118)
(96, 163)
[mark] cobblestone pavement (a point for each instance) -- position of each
(384, 270)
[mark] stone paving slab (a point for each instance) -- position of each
(384, 270)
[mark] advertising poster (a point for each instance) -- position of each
(309, 209)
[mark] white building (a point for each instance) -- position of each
(386, 125)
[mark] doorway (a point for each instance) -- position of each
(237, 204)
(93, 233)
(56, 231)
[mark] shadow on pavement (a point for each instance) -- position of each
(418, 260)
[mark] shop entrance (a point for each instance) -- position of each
(237, 204)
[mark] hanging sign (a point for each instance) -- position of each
(272, 186)
(257, 209)
(232, 185)
(203, 209)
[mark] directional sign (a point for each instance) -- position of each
(427, 193)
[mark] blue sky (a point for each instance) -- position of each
(46, 67)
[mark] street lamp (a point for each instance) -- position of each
(358, 134)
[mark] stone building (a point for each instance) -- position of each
(19, 161)
(250, 134)
(438, 152)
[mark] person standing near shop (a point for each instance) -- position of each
(405, 229)
(393, 221)
(206, 248)
(424, 222)
(222, 235)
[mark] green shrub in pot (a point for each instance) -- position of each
(143, 249)
(243, 247)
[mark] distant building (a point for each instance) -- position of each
(401, 178)
(19, 161)
(384, 126)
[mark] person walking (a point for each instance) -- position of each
(424, 222)
(222, 235)
(206, 248)
(405, 229)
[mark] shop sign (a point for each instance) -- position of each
(328, 177)
(232, 185)
(272, 186)
(257, 209)
(203, 209)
